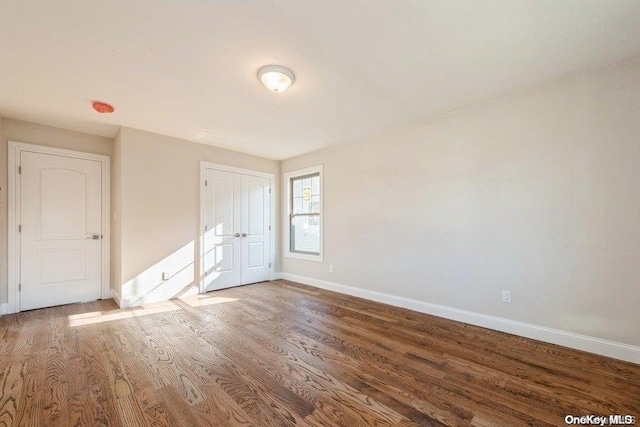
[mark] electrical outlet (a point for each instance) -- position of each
(166, 275)
(330, 268)
(506, 296)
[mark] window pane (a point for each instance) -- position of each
(305, 234)
(297, 187)
(306, 206)
(314, 206)
(306, 183)
(305, 195)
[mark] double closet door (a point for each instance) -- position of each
(237, 235)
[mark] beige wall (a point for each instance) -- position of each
(116, 216)
(155, 202)
(160, 214)
(538, 192)
(31, 133)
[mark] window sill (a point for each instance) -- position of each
(316, 258)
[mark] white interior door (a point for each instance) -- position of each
(255, 229)
(60, 230)
(222, 249)
(236, 237)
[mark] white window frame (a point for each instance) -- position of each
(287, 213)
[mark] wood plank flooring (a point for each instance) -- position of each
(284, 354)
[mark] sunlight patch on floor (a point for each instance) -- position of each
(94, 317)
(119, 314)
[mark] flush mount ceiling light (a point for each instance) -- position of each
(276, 78)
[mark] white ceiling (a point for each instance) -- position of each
(187, 68)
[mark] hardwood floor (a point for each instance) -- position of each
(281, 354)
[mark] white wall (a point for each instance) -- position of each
(31, 133)
(537, 192)
(159, 207)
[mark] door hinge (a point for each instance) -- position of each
(19, 287)
(20, 170)
(20, 228)
(206, 183)
(206, 227)
(269, 191)
(269, 228)
(269, 265)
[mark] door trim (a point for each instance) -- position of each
(203, 195)
(13, 210)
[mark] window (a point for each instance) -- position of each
(303, 231)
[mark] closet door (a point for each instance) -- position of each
(237, 235)
(255, 229)
(222, 236)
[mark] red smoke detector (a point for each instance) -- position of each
(103, 107)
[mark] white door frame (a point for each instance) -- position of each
(203, 204)
(15, 149)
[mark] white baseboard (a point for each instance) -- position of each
(599, 346)
(4, 309)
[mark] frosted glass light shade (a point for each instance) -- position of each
(276, 78)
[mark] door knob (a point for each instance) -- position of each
(237, 234)
(93, 237)
(244, 234)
